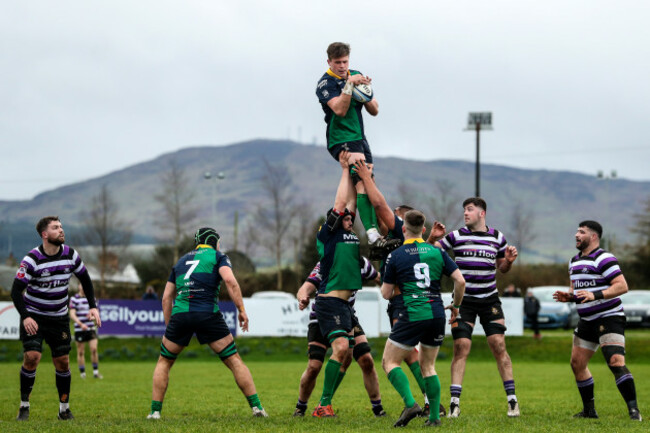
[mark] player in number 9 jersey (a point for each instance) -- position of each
(416, 268)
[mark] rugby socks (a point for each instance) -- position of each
(156, 406)
(254, 401)
(95, 368)
(302, 405)
(455, 391)
(417, 373)
(332, 372)
(27, 378)
(368, 217)
(400, 382)
(82, 369)
(586, 388)
(63, 380)
(432, 384)
(339, 380)
(625, 384)
(509, 386)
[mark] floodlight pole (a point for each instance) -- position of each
(478, 159)
(476, 122)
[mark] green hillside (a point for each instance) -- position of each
(555, 200)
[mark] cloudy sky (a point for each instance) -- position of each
(91, 87)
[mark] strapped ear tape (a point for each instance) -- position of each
(207, 235)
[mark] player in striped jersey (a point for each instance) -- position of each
(190, 306)
(479, 251)
(84, 332)
(596, 284)
(44, 276)
(318, 345)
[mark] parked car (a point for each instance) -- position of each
(636, 304)
(553, 314)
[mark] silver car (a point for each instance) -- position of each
(636, 304)
(553, 314)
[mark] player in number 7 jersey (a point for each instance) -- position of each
(194, 282)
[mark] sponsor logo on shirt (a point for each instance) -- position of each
(21, 272)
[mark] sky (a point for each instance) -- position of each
(88, 88)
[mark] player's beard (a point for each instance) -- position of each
(582, 245)
(58, 240)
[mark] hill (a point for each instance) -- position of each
(555, 200)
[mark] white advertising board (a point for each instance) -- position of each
(280, 317)
(9, 321)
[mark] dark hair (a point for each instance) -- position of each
(208, 236)
(336, 50)
(593, 225)
(414, 221)
(42, 224)
(403, 208)
(476, 201)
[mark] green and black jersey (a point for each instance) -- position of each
(340, 260)
(416, 268)
(340, 129)
(197, 280)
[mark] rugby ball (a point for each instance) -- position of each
(362, 93)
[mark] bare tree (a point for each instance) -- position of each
(445, 203)
(302, 231)
(176, 199)
(272, 221)
(105, 229)
(522, 222)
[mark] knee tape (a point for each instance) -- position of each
(61, 350)
(619, 371)
(228, 351)
(360, 350)
(462, 330)
(493, 328)
(165, 353)
(316, 352)
(611, 350)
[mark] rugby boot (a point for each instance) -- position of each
(635, 414)
(379, 411)
(23, 413)
(323, 412)
(299, 412)
(65, 415)
(586, 413)
(434, 423)
(98, 376)
(454, 410)
(259, 413)
(513, 408)
(407, 415)
(154, 415)
(380, 249)
(443, 412)
(425, 411)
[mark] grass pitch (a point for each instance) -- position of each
(202, 396)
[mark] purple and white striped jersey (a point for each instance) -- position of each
(368, 272)
(47, 279)
(81, 307)
(476, 255)
(593, 272)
